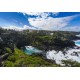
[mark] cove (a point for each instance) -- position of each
(30, 50)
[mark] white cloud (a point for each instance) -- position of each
(33, 13)
(50, 23)
(71, 28)
(45, 22)
(41, 14)
(28, 27)
(55, 13)
(19, 28)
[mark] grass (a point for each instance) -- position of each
(20, 59)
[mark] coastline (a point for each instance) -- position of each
(76, 43)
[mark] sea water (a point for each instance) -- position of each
(77, 42)
(30, 50)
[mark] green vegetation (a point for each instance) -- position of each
(20, 59)
(13, 42)
(70, 63)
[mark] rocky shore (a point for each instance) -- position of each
(72, 54)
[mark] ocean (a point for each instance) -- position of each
(77, 42)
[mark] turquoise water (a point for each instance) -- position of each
(77, 43)
(78, 35)
(30, 50)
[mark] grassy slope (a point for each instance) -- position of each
(20, 59)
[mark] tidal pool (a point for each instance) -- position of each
(30, 50)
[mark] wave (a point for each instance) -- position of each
(71, 54)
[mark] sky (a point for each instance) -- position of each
(63, 21)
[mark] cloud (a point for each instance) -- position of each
(50, 23)
(41, 14)
(25, 27)
(71, 28)
(45, 21)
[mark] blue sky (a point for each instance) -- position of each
(64, 21)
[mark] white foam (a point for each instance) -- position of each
(31, 48)
(59, 56)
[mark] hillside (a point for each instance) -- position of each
(12, 44)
